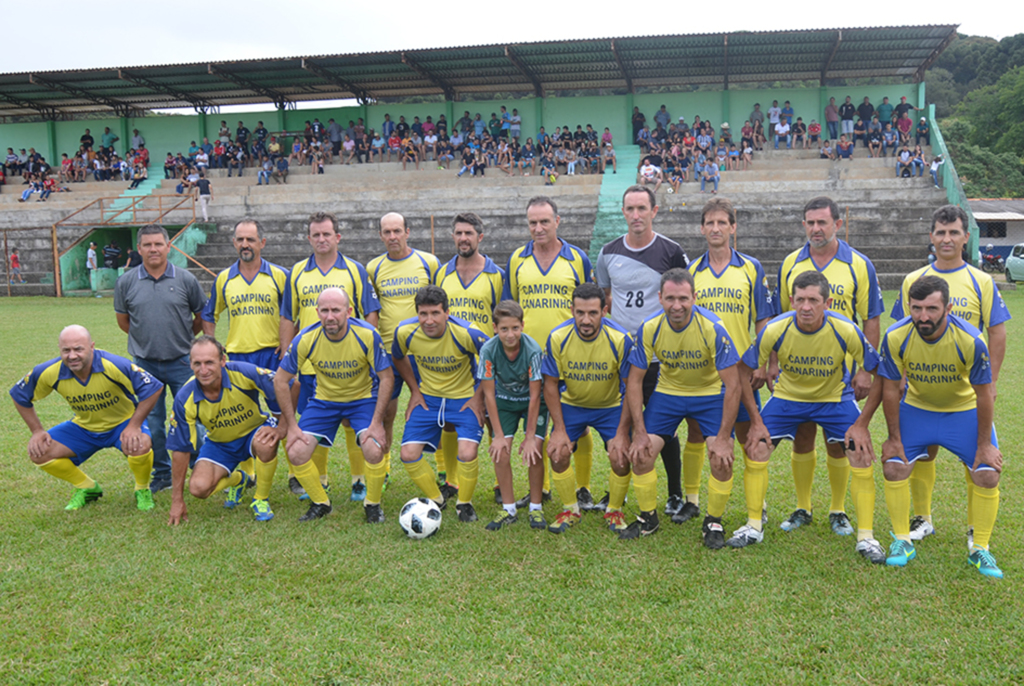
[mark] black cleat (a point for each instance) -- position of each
(374, 513)
(466, 512)
(448, 491)
(585, 500)
(523, 502)
(687, 512)
(674, 504)
(295, 487)
(646, 524)
(714, 534)
(316, 511)
(497, 495)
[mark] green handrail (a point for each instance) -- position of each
(951, 184)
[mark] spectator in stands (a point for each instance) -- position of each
(650, 175)
(394, 145)
(903, 108)
(884, 111)
(281, 170)
(204, 189)
(139, 174)
(905, 162)
(904, 124)
(377, 147)
(468, 162)
(918, 160)
(527, 158)
(515, 124)
(67, 167)
(316, 159)
(410, 151)
(608, 157)
(774, 115)
(845, 148)
(860, 132)
(363, 149)
(202, 160)
(100, 170)
(890, 141)
(923, 131)
(813, 133)
(445, 154)
(142, 154)
(242, 134)
(12, 166)
(782, 132)
(266, 167)
(712, 174)
(236, 159)
(274, 149)
(108, 139)
(81, 167)
(548, 168)
(865, 110)
(846, 114)
(934, 170)
(220, 152)
(639, 120)
(111, 255)
(402, 127)
(787, 113)
(87, 140)
(387, 127)
(747, 156)
(876, 143)
(826, 152)
(348, 148)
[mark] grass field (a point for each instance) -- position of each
(109, 595)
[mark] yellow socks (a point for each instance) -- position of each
(309, 477)
(986, 507)
(375, 482)
(755, 485)
(583, 459)
(617, 487)
(897, 500)
(232, 479)
(565, 484)
(264, 478)
(645, 486)
(803, 477)
(65, 470)
(141, 466)
(838, 477)
(693, 465)
(718, 495)
(862, 489)
(922, 483)
(248, 466)
(468, 474)
(356, 463)
(547, 465)
(424, 477)
(319, 460)
(970, 496)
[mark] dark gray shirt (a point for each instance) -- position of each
(634, 276)
(160, 311)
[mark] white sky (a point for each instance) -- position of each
(112, 33)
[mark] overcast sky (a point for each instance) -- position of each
(116, 33)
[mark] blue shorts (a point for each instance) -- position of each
(399, 385)
(424, 426)
(957, 432)
(307, 389)
(604, 421)
(741, 414)
(84, 443)
(229, 455)
(266, 358)
(664, 413)
(322, 418)
(782, 417)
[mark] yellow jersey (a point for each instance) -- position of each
(445, 366)
(396, 283)
(972, 292)
(254, 308)
(545, 295)
(475, 301)
(306, 281)
(851, 277)
(739, 296)
(593, 373)
(346, 370)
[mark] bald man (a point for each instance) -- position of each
(111, 399)
(353, 382)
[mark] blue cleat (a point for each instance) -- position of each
(984, 562)
(234, 493)
(900, 553)
(261, 508)
(358, 492)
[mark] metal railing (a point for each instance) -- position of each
(950, 181)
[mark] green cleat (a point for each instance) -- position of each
(984, 562)
(502, 520)
(565, 520)
(261, 508)
(144, 500)
(84, 496)
(537, 520)
(900, 553)
(234, 493)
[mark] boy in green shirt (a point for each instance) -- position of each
(510, 377)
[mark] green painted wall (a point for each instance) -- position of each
(73, 274)
(194, 236)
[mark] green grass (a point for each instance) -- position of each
(111, 595)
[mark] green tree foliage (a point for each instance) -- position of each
(983, 172)
(996, 113)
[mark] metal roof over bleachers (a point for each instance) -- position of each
(616, 63)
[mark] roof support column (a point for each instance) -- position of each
(726, 107)
(920, 95)
(449, 115)
(538, 113)
(126, 140)
(822, 104)
(202, 126)
(51, 142)
(280, 119)
(630, 138)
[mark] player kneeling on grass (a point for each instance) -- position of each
(354, 380)
(442, 391)
(224, 398)
(699, 380)
(510, 377)
(111, 399)
(812, 343)
(589, 356)
(948, 402)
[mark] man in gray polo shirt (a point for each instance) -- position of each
(158, 306)
(629, 270)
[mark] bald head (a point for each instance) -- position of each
(395, 234)
(76, 349)
(333, 308)
(74, 332)
(333, 296)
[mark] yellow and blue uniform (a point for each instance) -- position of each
(973, 294)
(813, 372)
(396, 283)
(545, 296)
(474, 301)
(346, 376)
(593, 376)
(231, 421)
(103, 405)
(851, 276)
(939, 405)
(688, 381)
(254, 312)
(739, 296)
(445, 369)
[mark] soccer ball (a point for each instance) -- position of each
(420, 518)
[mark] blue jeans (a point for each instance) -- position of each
(833, 130)
(173, 374)
(935, 177)
(789, 141)
(713, 178)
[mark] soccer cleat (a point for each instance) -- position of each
(295, 487)
(920, 527)
(602, 504)
(497, 495)
(764, 516)
(545, 496)
(84, 496)
(161, 484)
(871, 550)
(674, 504)
(466, 512)
(900, 553)
(615, 520)
(502, 519)
(646, 524)
(234, 493)
(374, 513)
(586, 501)
(261, 508)
(442, 478)
(358, 492)
(840, 524)
(316, 511)
(523, 502)
(970, 538)
(448, 491)
(714, 534)
(387, 480)
(687, 512)
(744, 536)
(984, 562)
(537, 520)
(564, 521)
(799, 518)
(144, 500)
(327, 490)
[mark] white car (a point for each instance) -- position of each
(1015, 264)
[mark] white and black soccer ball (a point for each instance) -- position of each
(420, 518)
